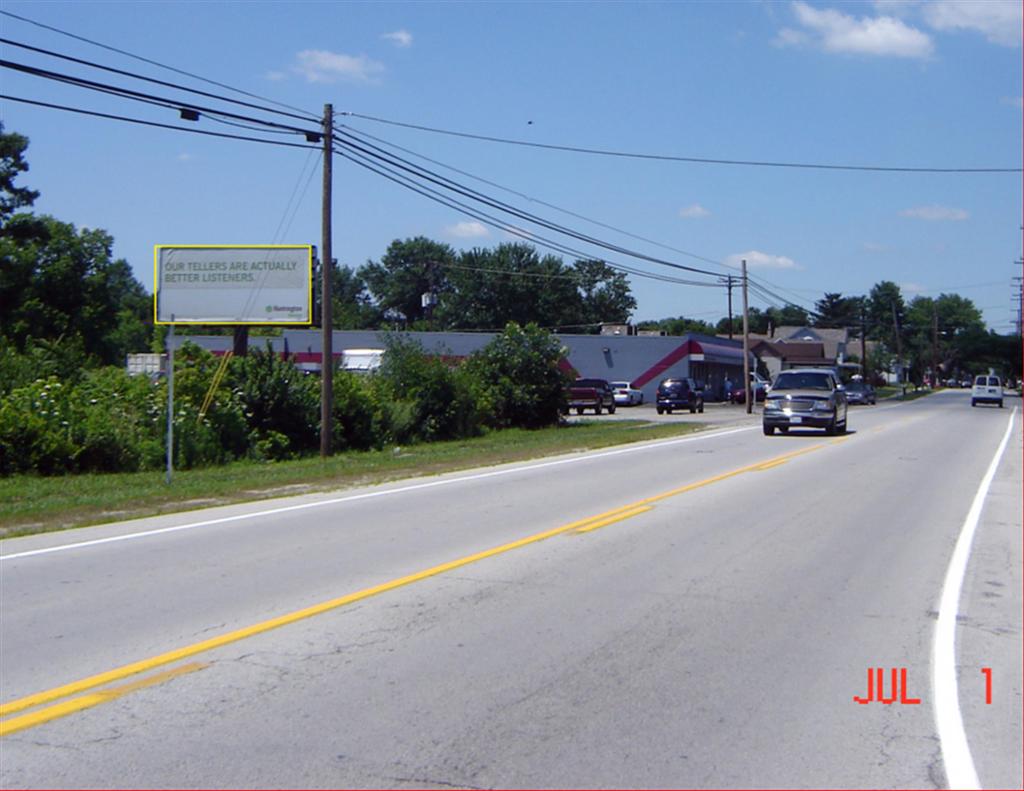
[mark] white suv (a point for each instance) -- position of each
(987, 390)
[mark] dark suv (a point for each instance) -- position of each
(680, 394)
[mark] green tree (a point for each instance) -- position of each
(63, 284)
(681, 325)
(404, 273)
(510, 283)
(518, 378)
(605, 293)
(12, 163)
(835, 310)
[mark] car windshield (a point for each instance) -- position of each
(803, 381)
(620, 385)
(673, 387)
(993, 381)
(857, 387)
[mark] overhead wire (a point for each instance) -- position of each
(453, 186)
(673, 158)
(168, 103)
(155, 63)
(533, 199)
(153, 80)
(157, 124)
(434, 195)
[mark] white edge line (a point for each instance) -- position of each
(956, 754)
(367, 495)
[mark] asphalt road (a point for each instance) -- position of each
(696, 612)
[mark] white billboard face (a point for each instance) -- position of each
(233, 284)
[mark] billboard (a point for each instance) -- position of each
(233, 284)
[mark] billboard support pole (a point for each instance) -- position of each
(326, 322)
(170, 400)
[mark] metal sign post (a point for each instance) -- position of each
(170, 400)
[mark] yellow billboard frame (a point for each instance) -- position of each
(156, 284)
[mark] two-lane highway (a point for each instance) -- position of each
(697, 612)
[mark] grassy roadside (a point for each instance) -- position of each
(33, 504)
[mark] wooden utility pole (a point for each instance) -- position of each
(899, 351)
(746, 345)
(326, 320)
(935, 346)
(729, 287)
(864, 345)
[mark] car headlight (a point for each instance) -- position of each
(772, 405)
(822, 406)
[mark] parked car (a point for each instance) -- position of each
(860, 393)
(680, 394)
(757, 384)
(805, 397)
(626, 395)
(987, 390)
(593, 394)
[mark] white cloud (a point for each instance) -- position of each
(835, 31)
(467, 230)
(694, 212)
(788, 37)
(318, 65)
(935, 214)
(758, 260)
(276, 76)
(185, 157)
(998, 20)
(400, 38)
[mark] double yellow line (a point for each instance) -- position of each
(42, 715)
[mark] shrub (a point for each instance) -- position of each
(518, 379)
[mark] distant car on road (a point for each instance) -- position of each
(860, 393)
(680, 394)
(626, 394)
(593, 394)
(805, 397)
(757, 384)
(987, 390)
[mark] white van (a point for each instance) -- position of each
(987, 390)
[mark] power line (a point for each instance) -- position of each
(164, 83)
(139, 121)
(308, 115)
(494, 222)
(152, 99)
(453, 186)
(532, 199)
(671, 158)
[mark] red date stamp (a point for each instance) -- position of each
(898, 689)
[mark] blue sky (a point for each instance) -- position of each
(891, 84)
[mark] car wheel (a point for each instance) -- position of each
(1000, 404)
(611, 409)
(700, 408)
(597, 410)
(660, 411)
(768, 430)
(974, 402)
(693, 410)
(579, 410)
(783, 429)
(668, 410)
(830, 429)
